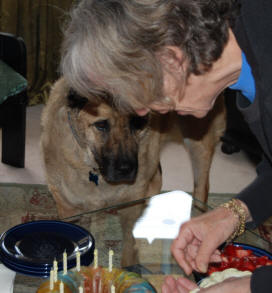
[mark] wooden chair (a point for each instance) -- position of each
(13, 99)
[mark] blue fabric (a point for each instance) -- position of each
(245, 83)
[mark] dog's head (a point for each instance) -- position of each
(112, 137)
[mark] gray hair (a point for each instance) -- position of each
(110, 48)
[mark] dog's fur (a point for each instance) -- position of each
(123, 151)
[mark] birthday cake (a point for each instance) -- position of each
(96, 280)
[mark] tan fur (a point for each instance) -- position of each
(68, 159)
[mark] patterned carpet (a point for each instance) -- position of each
(21, 203)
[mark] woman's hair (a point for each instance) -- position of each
(110, 48)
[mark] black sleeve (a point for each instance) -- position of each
(261, 280)
(258, 195)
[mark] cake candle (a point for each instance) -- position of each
(78, 261)
(80, 289)
(111, 253)
(112, 289)
(51, 280)
(55, 266)
(64, 263)
(61, 287)
(95, 258)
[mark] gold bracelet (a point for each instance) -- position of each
(240, 213)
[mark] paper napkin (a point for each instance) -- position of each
(6, 279)
(163, 216)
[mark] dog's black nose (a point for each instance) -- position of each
(128, 169)
(122, 170)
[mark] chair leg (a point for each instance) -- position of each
(13, 135)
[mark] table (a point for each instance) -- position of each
(155, 260)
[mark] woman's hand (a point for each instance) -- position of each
(183, 285)
(198, 239)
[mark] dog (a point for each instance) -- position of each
(95, 157)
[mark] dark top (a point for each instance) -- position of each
(253, 31)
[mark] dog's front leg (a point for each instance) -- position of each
(201, 153)
(128, 217)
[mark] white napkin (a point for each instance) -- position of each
(6, 279)
(163, 216)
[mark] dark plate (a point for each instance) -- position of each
(32, 247)
(256, 251)
(85, 259)
(37, 272)
(27, 271)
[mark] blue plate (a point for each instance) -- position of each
(33, 271)
(32, 247)
(27, 271)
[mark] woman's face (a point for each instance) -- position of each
(194, 97)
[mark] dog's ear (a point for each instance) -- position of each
(74, 100)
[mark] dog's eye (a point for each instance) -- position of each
(138, 122)
(102, 125)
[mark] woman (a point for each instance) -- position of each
(179, 55)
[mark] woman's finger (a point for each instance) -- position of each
(179, 246)
(186, 283)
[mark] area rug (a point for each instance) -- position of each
(21, 203)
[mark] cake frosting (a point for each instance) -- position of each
(98, 280)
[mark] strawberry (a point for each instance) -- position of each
(230, 250)
(212, 269)
(262, 260)
(240, 253)
(254, 259)
(247, 265)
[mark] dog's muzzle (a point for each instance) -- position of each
(120, 169)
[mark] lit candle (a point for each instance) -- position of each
(55, 265)
(51, 280)
(111, 253)
(112, 289)
(64, 263)
(61, 287)
(80, 290)
(78, 261)
(95, 258)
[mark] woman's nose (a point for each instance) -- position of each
(142, 112)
